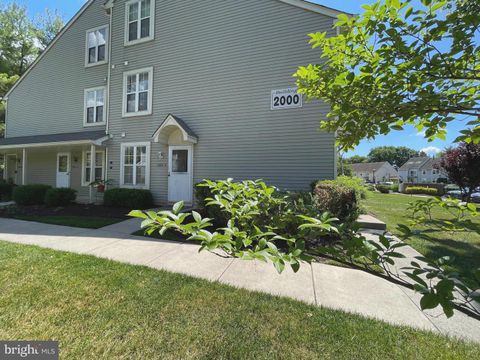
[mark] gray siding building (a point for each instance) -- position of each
(167, 93)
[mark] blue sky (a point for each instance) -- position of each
(409, 137)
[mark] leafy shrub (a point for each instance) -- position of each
(30, 194)
(258, 226)
(128, 198)
(213, 212)
(6, 191)
(421, 190)
(442, 180)
(354, 183)
(60, 197)
(395, 188)
(384, 189)
(339, 200)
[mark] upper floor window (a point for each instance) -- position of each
(94, 107)
(139, 21)
(97, 46)
(137, 90)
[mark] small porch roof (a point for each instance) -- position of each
(173, 121)
(77, 138)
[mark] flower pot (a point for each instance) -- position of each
(101, 188)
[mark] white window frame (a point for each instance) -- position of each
(107, 46)
(84, 164)
(127, 22)
(147, 166)
(85, 123)
(148, 70)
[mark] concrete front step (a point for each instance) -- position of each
(369, 222)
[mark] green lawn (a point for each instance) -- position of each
(74, 221)
(463, 245)
(101, 309)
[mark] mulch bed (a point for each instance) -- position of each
(72, 210)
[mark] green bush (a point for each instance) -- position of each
(384, 189)
(395, 187)
(60, 197)
(341, 201)
(421, 190)
(30, 194)
(213, 212)
(6, 191)
(128, 198)
(354, 183)
(442, 180)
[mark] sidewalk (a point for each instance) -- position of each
(319, 284)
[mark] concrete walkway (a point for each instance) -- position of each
(319, 284)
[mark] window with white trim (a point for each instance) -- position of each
(99, 167)
(94, 106)
(97, 46)
(139, 17)
(135, 170)
(137, 90)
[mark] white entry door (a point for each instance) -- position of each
(180, 174)
(63, 170)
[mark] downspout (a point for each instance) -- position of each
(109, 10)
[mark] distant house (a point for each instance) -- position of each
(375, 172)
(421, 170)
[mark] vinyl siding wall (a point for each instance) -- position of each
(215, 63)
(50, 99)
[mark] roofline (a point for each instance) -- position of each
(97, 142)
(65, 28)
(319, 9)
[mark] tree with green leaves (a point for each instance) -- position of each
(395, 155)
(396, 65)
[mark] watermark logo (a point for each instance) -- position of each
(30, 350)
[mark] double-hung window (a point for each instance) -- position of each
(140, 20)
(137, 92)
(99, 167)
(97, 46)
(94, 106)
(135, 170)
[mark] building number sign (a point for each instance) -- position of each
(286, 99)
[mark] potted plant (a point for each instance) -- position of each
(100, 185)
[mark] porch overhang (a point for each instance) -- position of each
(172, 121)
(78, 138)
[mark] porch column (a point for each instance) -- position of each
(92, 171)
(24, 166)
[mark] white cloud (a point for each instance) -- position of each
(431, 150)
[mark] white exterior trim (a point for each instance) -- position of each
(190, 167)
(84, 162)
(147, 167)
(85, 123)
(152, 24)
(150, 92)
(58, 143)
(59, 35)
(319, 9)
(107, 46)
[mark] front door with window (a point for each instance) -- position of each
(180, 174)
(63, 170)
(11, 168)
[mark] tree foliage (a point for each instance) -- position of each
(462, 165)
(396, 65)
(395, 155)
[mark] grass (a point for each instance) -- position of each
(73, 221)
(464, 246)
(97, 308)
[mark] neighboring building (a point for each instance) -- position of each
(162, 94)
(421, 170)
(375, 172)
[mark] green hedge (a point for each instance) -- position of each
(341, 201)
(212, 212)
(384, 189)
(128, 198)
(30, 194)
(354, 183)
(6, 191)
(60, 197)
(421, 190)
